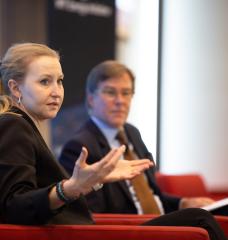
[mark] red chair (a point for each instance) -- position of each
(223, 222)
(186, 185)
(121, 219)
(101, 232)
(133, 219)
(109, 226)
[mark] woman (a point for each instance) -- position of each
(34, 187)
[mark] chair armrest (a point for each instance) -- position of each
(111, 232)
(133, 219)
(223, 222)
(121, 219)
(218, 195)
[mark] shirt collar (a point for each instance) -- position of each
(108, 132)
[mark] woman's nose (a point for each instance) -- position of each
(56, 90)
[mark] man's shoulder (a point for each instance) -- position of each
(86, 135)
(87, 129)
(130, 128)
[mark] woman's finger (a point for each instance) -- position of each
(81, 161)
(141, 162)
(110, 160)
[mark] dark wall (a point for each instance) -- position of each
(22, 21)
(83, 39)
(84, 34)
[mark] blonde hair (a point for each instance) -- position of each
(14, 65)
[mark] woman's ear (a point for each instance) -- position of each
(14, 88)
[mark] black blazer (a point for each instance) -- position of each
(27, 172)
(113, 197)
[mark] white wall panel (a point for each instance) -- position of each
(194, 103)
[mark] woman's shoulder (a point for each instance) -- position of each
(14, 122)
(16, 130)
(10, 117)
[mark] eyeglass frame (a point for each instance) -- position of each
(112, 93)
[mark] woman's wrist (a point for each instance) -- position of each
(61, 194)
(70, 189)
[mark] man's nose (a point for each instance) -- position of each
(120, 97)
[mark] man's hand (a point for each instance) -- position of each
(195, 202)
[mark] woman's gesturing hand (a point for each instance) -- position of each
(85, 176)
(127, 169)
(108, 169)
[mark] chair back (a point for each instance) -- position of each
(184, 185)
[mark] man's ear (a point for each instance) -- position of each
(14, 88)
(89, 99)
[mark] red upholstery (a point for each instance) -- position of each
(223, 222)
(112, 230)
(186, 185)
(121, 219)
(101, 232)
(132, 219)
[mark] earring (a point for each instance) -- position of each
(19, 100)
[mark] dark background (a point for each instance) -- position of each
(84, 34)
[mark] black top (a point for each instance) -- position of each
(28, 170)
(113, 197)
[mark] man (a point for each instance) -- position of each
(109, 91)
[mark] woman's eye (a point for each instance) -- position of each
(44, 82)
(60, 81)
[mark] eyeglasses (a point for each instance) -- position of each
(112, 93)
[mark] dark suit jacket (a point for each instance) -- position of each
(113, 197)
(27, 172)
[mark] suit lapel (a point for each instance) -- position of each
(105, 148)
(133, 138)
(125, 189)
(103, 143)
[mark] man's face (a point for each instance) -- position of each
(111, 101)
